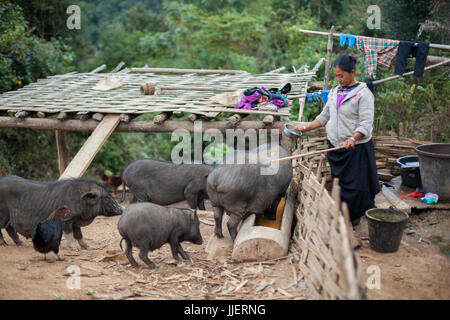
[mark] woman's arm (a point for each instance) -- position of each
(313, 125)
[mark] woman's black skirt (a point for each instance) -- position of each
(357, 172)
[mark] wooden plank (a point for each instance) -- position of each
(181, 71)
(326, 79)
(395, 200)
(86, 154)
(144, 125)
(63, 152)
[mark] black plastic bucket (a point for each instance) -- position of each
(385, 229)
(434, 161)
(410, 171)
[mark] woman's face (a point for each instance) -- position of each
(343, 77)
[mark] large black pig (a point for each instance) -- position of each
(164, 182)
(24, 203)
(247, 182)
(148, 226)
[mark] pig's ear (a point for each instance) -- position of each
(91, 197)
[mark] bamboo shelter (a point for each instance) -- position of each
(114, 99)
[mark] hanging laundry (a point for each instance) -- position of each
(376, 52)
(406, 49)
(314, 96)
(257, 95)
(324, 95)
(343, 38)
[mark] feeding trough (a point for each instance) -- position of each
(261, 239)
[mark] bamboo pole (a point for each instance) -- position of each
(179, 71)
(307, 154)
(410, 73)
(326, 79)
(336, 35)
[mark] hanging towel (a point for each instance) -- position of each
(344, 38)
(406, 49)
(376, 52)
(324, 95)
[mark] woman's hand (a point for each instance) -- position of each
(300, 128)
(349, 143)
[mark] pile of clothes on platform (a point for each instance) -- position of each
(259, 98)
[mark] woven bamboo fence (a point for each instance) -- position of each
(322, 239)
(387, 150)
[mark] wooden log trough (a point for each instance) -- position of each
(258, 238)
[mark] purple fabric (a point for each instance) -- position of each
(246, 101)
(340, 98)
(278, 103)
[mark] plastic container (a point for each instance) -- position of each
(434, 161)
(386, 229)
(410, 171)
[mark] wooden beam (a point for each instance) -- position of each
(182, 71)
(326, 79)
(63, 152)
(86, 154)
(143, 125)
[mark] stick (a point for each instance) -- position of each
(336, 35)
(307, 154)
(411, 72)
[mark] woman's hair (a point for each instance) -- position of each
(345, 62)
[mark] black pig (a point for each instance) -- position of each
(164, 182)
(24, 203)
(148, 226)
(247, 182)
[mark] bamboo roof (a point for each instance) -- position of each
(74, 93)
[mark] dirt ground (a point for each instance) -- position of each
(419, 270)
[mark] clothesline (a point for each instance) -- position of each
(337, 35)
(411, 72)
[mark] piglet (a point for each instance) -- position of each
(148, 226)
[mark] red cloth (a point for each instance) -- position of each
(415, 194)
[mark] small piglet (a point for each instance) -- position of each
(148, 226)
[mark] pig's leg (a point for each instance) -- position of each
(218, 215)
(184, 255)
(68, 234)
(129, 253)
(2, 240)
(13, 234)
(201, 202)
(79, 237)
(191, 197)
(143, 254)
(271, 212)
(174, 244)
(232, 225)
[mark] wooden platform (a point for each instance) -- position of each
(390, 196)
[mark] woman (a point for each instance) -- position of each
(348, 116)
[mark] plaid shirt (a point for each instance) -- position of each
(376, 52)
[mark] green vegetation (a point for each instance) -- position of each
(256, 36)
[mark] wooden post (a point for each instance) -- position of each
(63, 152)
(328, 61)
(86, 154)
